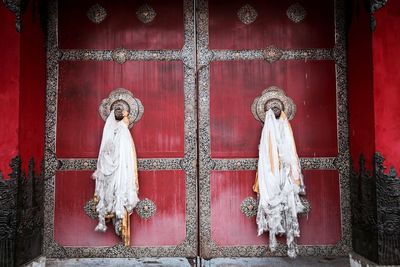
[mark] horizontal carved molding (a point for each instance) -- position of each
(83, 164)
(305, 54)
(213, 55)
(107, 55)
(327, 163)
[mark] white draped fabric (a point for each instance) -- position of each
(279, 181)
(116, 171)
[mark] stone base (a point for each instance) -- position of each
(357, 260)
(120, 262)
(38, 262)
(216, 262)
(278, 262)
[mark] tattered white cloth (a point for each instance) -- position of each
(116, 190)
(279, 183)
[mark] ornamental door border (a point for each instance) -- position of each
(55, 55)
(341, 163)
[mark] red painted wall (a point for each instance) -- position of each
(32, 87)
(360, 84)
(22, 91)
(9, 88)
(386, 51)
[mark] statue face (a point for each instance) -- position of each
(275, 106)
(277, 111)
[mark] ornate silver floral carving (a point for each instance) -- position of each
(120, 55)
(296, 13)
(249, 207)
(124, 98)
(96, 13)
(146, 208)
(90, 209)
(146, 13)
(247, 14)
(272, 54)
(271, 96)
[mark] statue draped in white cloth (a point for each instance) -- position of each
(279, 182)
(116, 192)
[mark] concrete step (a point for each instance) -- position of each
(217, 262)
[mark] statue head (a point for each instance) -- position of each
(276, 106)
(121, 109)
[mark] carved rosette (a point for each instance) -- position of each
(272, 54)
(271, 96)
(249, 207)
(96, 13)
(146, 208)
(247, 14)
(296, 13)
(146, 13)
(126, 99)
(120, 55)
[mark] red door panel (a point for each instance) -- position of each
(322, 226)
(74, 228)
(167, 227)
(230, 226)
(120, 28)
(158, 85)
(272, 26)
(235, 84)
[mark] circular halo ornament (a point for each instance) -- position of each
(273, 96)
(125, 99)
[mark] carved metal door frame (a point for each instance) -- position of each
(188, 248)
(208, 248)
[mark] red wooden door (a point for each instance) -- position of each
(190, 77)
(306, 58)
(146, 47)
